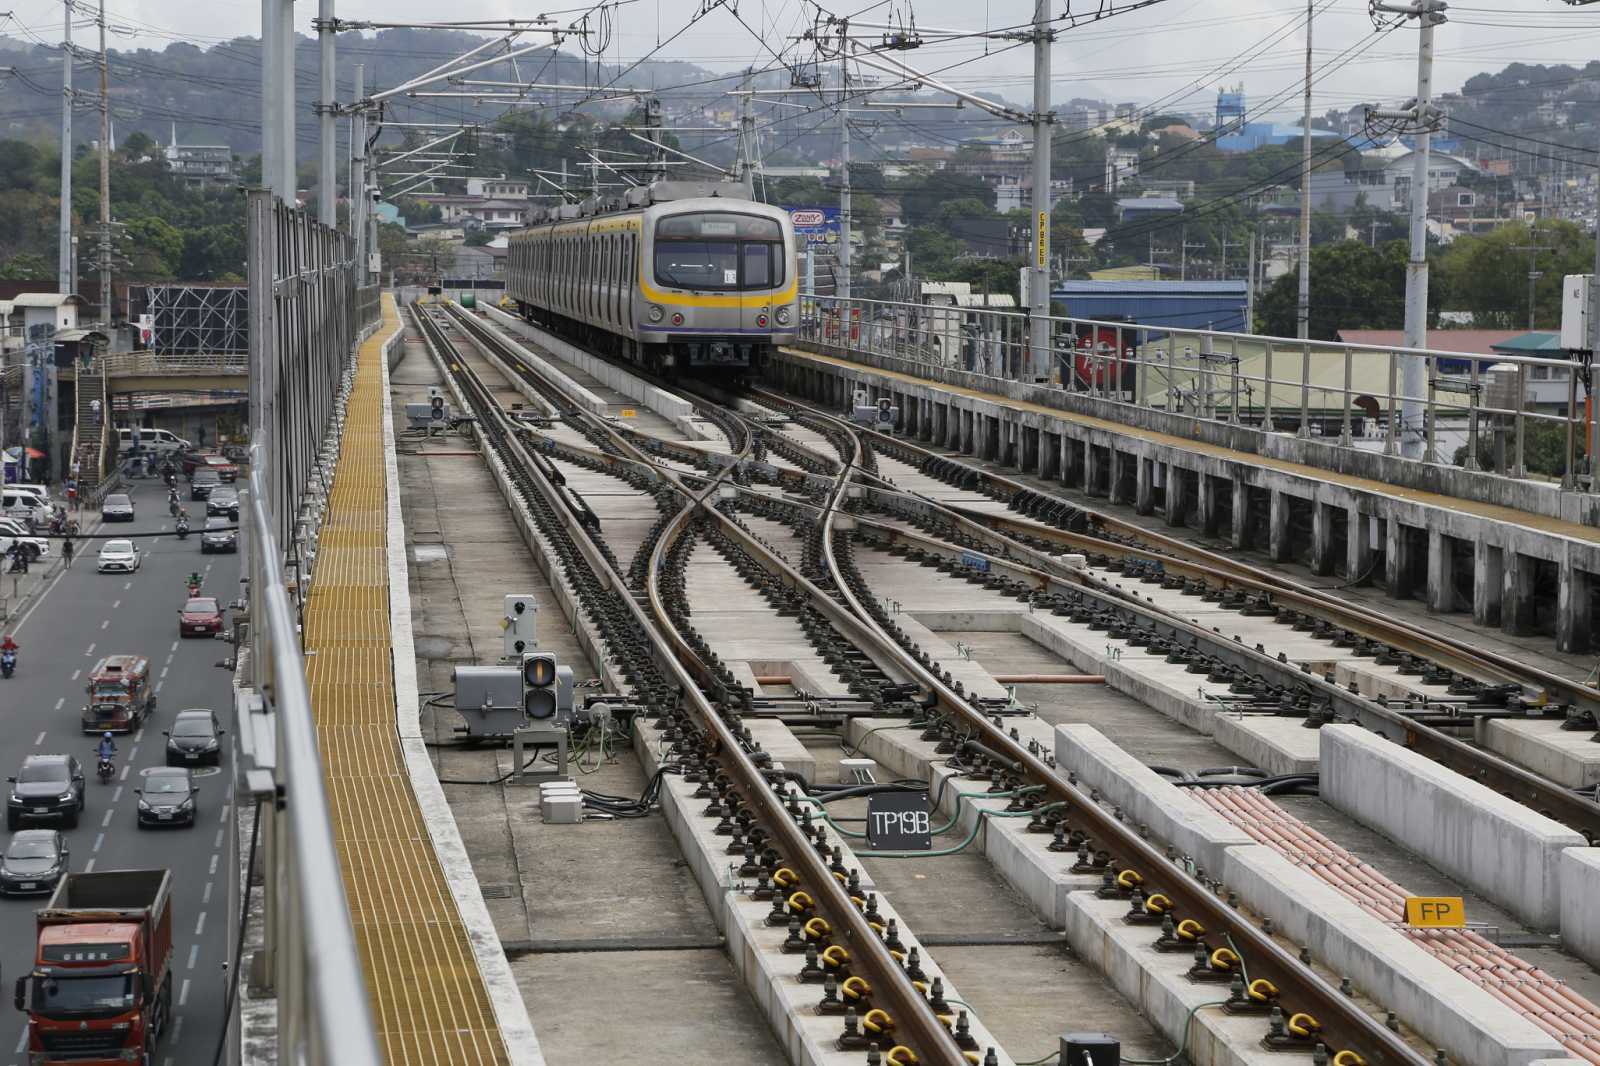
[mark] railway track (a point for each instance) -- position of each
(1133, 868)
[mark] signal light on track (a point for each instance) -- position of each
(539, 695)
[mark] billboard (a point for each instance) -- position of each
(816, 228)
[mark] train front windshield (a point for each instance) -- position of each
(719, 252)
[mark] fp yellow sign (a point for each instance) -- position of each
(1436, 912)
(1044, 239)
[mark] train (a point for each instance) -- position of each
(675, 276)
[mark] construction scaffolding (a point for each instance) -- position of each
(197, 320)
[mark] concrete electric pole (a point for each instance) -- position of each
(358, 179)
(1040, 345)
(843, 287)
(1303, 309)
(1421, 117)
(105, 175)
(327, 108)
(64, 236)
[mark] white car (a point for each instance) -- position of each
(119, 556)
(36, 547)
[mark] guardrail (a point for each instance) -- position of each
(1349, 393)
(303, 328)
(128, 364)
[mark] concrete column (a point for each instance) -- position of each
(1517, 614)
(995, 429)
(1278, 511)
(966, 432)
(1441, 572)
(1114, 481)
(1396, 570)
(1488, 583)
(1064, 472)
(1091, 461)
(1028, 461)
(1358, 546)
(1144, 491)
(1205, 504)
(1321, 538)
(1177, 494)
(1241, 512)
(1572, 608)
(1049, 449)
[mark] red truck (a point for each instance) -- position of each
(100, 993)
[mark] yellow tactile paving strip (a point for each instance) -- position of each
(1494, 512)
(428, 999)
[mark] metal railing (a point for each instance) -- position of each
(127, 364)
(1350, 394)
(303, 321)
(302, 333)
(369, 306)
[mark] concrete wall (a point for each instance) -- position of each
(1490, 843)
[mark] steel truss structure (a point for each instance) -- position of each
(198, 320)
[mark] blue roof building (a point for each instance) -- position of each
(1218, 305)
(1134, 208)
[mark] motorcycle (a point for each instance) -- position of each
(183, 529)
(194, 589)
(172, 507)
(105, 768)
(8, 664)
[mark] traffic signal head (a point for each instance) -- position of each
(539, 685)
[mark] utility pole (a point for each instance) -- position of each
(843, 287)
(1303, 308)
(105, 175)
(358, 178)
(1183, 254)
(1040, 344)
(1428, 13)
(269, 95)
(1534, 274)
(1250, 283)
(64, 236)
(327, 177)
(747, 129)
(286, 114)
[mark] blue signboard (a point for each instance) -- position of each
(817, 228)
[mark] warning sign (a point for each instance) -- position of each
(1436, 912)
(628, 412)
(1042, 237)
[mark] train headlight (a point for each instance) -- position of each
(783, 316)
(656, 313)
(677, 319)
(761, 321)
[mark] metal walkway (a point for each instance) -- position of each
(428, 997)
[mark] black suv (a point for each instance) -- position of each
(202, 483)
(47, 786)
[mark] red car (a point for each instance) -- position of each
(200, 616)
(226, 469)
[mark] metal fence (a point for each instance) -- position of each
(156, 364)
(303, 321)
(303, 326)
(369, 306)
(1487, 408)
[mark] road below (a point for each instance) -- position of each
(83, 616)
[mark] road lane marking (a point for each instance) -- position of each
(133, 751)
(218, 842)
(222, 815)
(106, 624)
(137, 737)
(163, 673)
(200, 924)
(174, 645)
(183, 989)
(45, 592)
(158, 687)
(115, 604)
(214, 865)
(117, 795)
(98, 840)
(177, 1027)
(194, 955)
(60, 701)
(126, 585)
(105, 823)
(76, 674)
(40, 738)
(88, 867)
(89, 650)
(22, 1041)
(124, 775)
(205, 897)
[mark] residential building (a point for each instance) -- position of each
(477, 211)
(1134, 208)
(501, 188)
(198, 164)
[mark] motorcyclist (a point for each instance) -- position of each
(194, 583)
(106, 748)
(9, 645)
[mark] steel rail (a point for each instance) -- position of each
(915, 1023)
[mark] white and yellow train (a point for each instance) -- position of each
(673, 276)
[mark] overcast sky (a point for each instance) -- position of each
(1175, 53)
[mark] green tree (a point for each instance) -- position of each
(138, 145)
(27, 267)
(1352, 287)
(1487, 274)
(155, 247)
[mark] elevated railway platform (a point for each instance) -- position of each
(1527, 571)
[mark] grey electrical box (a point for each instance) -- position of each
(489, 699)
(519, 626)
(565, 690)
(418, 415)
(1090, 1049)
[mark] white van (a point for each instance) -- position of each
(41, 491)
(23, 505)
(160, 441)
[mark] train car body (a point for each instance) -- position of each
(673, 276)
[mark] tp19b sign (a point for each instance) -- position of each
(898, 821)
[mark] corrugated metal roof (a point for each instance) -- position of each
(44, 299)
(1535, 343)
(1151, 288)
(1150, 203)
